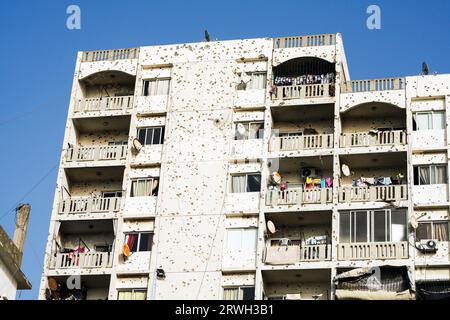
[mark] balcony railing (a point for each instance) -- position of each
(305, 142)
(373, 250)
(304, 91)
(96, 153)
(294, 253)
(298, 196)
(82, 260)
(110, 55)
(373, 193)
(367, 139)
(304, 41)
(89, 205)
(104, 104)
(373, 85)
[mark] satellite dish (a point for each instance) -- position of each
(137, 145)
(126, 250)
(276, 177)
(413, 221)
(271, 227)
(345, 170)
(52, 284)
(241, 129)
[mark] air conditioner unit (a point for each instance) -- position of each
(428, 245)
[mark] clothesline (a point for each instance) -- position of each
(305, 79)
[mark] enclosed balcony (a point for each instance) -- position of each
(373, 125)
(97, 140)
(373, 234)
(91, 191)
(301, 128)
(299, 237)
(377, 177)
(84, 287)
(313, 284)
(83, 244)
(300, 181)
(105, 91)
(303, 78)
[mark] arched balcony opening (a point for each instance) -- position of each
(305, 77)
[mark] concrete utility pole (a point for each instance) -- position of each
(22, 218)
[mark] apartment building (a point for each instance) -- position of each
(249, 169)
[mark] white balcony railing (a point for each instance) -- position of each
(110, 55)
(305, 142)
(373, 85)
(82, 260)
(373, 250)
(292, 254)
(305, 91)
(96, 153)
(104, 104)
(304, 41)
(298, 196)
(89, 205)
(367, 139)
(373, 193)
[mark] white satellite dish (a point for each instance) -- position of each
(276, 176)
(271, 227)
(413, 221)
(241, 129)
(137, 145)
(345, 170)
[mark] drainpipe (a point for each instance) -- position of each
(22, 218)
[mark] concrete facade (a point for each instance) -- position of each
(233, 113)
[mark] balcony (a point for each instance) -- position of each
(369, 139)
(93, 287)
(281, 255)
(86, 205)
(304, 41)
(307, 91)
(373, 250)
(96, 153)
(110, 55)
(298, 196)
(373, 85)
(120, 103)
(373, 193)
(302, 142)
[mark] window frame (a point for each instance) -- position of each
(432, 169)
(132, 291)
(138, 240)
(248, 125)
(433, 230)
(156, 80)
(242, 230)
(430, 120)
(246, 181)
(249, 85)
(240, 289)
(152, 128)
(146, 179)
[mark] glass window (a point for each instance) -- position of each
(430, 120)
(241, 239)
(360, 226)
(144, 187)
(245, 183)
(139, 241)
(430, 174)
(380, 222)
(155, 87)
(132, 294)
(151, 135)
(252, 81)
(344, 227)
(249, 130)
(436, 230)
(398, 225)
(145, 241)
(239, 293)
(248, 293)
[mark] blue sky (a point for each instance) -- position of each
(38, 57)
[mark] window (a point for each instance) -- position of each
(112, 194)
(241, 239)
(430, 174)
(372, 226)
(155, 87)
(103, 248)
(252, 81)
(430, 120)
(144, 187)
(249, 130)
(436, 230)
(239, 293)
(246, 183)
(117, 143)
(132, 294)
(139, 241)
(151, 135)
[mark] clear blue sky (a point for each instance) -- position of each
(38, 57)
